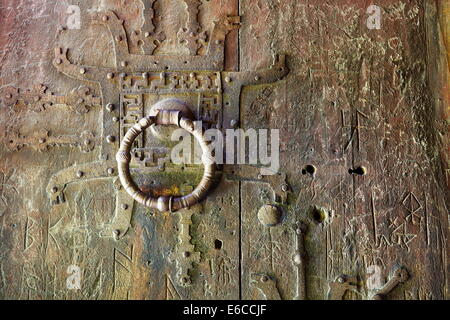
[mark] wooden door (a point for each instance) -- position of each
(356, 210)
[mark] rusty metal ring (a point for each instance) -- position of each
(123, 157)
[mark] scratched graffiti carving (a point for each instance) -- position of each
(363, 154)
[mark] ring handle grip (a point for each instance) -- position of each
(164, 203)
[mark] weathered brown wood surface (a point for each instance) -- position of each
(355, 100)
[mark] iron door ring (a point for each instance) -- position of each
(165, 203)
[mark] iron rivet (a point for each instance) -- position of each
(82, 70)
(41, 140)
(115, 119)
(186, 254)
(297, 259)
(124, 206)
(54, 189)
(284, 187)
(218, 41)
(87, 142)
(257, 78)
(264, 278)
(119, 38)
(145, 75)
(110, 170)
(105, 18)
(110, 139)
(227, 79)
(58, 61)
(79, 174)
(260, 176)
(110, 107)
(269, 215)
(123, 63)
(110, 75)
(341, 280)
(234, 123)
(147, 34)
(116, 234)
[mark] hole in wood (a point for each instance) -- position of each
(309, 169)
(218, 244)
(319, 215)
(360, 171)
